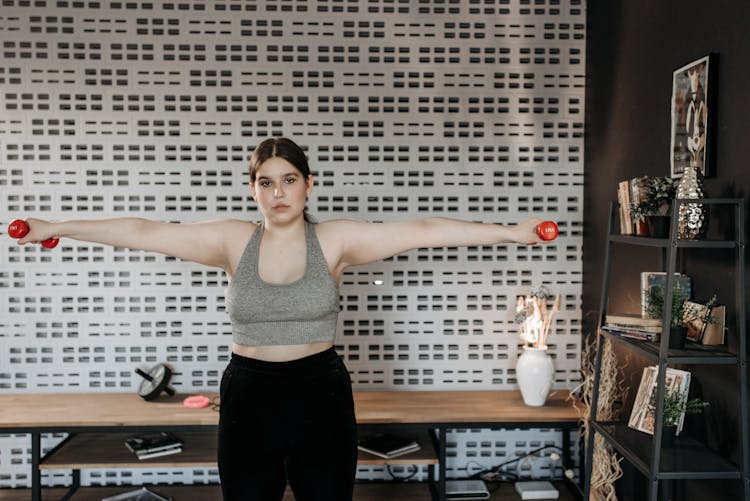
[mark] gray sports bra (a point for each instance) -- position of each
(301, 312)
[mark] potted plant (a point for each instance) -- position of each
(676, 404)
(656, 205)
(680, 315)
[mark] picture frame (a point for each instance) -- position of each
(693, 116)
(699, 330)
(641, 416)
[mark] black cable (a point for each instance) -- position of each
(528, 454)
(403, 479)
(495, 473)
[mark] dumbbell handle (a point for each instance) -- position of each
(547, 230)
(144, 375)
(19, 228)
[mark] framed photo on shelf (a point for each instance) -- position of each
(642, 416)
(693, 104)
(707, 326)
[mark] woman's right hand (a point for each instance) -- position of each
(39, 231)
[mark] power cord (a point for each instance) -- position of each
(497, 474)
(402, 479)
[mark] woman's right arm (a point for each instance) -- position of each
(203, 242)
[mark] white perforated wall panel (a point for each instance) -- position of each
(461, 108)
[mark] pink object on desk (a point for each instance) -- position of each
(196, 402)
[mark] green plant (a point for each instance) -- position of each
(676, 404)
(657, 198)
(680, 315)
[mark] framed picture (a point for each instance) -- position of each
(705, 325)
(693, 98)
(642, 416)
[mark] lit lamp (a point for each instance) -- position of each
(534, 370)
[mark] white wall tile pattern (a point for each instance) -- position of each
(460, 108)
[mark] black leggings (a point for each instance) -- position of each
(284, 421)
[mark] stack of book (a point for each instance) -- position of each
(151, 445)
(388, 445)
(633, 326)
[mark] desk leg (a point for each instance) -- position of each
(74, 486)
(36, 474)
(442, 468)
(567, 463)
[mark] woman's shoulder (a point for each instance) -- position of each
(237, 232)
(334, 233)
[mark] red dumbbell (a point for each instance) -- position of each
(19, 228)
(547, 230)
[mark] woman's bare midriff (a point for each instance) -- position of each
(279, 353)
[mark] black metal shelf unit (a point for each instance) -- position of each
(687, 458)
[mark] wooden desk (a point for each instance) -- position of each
(436, 411)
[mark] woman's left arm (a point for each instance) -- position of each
(362, 242)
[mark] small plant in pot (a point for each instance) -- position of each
(680, 315)
(676, 405)
(656, 208)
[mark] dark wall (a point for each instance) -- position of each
(633, 47)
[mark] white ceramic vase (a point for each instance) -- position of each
(534, 373)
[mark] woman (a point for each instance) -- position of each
(286, 400)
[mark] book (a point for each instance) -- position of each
(142, 494)
(655, 329)
(632, 333)
(638, 194)
(387, 445)
(156, 454)
(642, 416)
(636, 323)
(148, 443)
(653, 279)
(631, 319)
(625, 205)
(621, 210)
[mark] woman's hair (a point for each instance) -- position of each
(283, 148)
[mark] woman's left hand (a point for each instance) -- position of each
(525, 232)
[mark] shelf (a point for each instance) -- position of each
(105, 450)
(693, 354)
(688, 459)
(665, 242)
(362, 492)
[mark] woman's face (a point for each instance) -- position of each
(280, 190)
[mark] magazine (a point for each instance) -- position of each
(632, 333)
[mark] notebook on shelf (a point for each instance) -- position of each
(388, 445)
(151, 445)
(142, 494)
